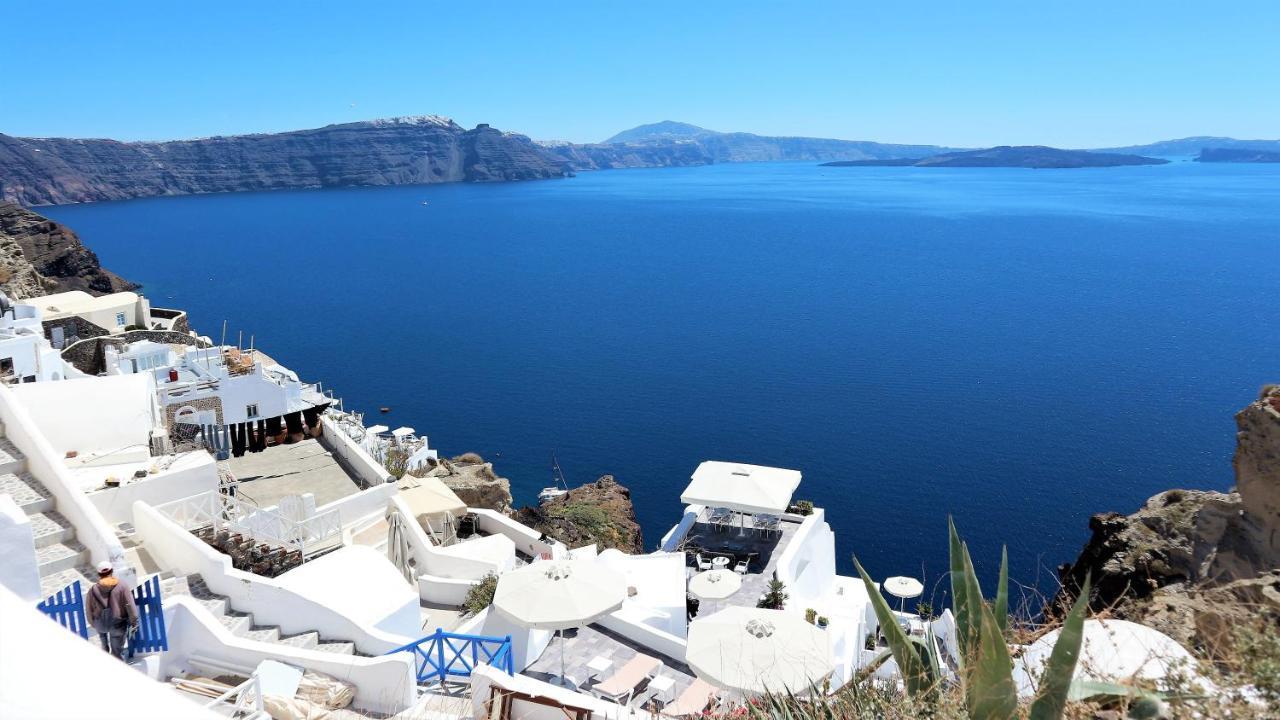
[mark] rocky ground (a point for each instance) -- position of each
(39, 256)
(1195, 564)
(473, 481)
(598, 512)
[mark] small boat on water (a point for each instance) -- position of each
(559, 489)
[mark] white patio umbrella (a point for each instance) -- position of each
(752, 651)
(559, 594)
(715, 584)
(902, 588)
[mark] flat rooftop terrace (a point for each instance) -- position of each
(760, 550)
(303, 467)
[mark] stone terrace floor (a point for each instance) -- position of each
(595, 641)
(739, 544)
(304, 467)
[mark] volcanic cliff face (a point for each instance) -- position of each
(396, 151)
(473, 481)
(39, 256)
(1190, 563)
(600, 512)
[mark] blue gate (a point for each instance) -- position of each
(150, 636)
(67, 607)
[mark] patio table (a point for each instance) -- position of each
(720, 562)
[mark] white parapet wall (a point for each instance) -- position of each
(369, 471)
(18, 569)
(46, 465)
(808, 564)
(384, 684)
(188, 474)
(527, 539)
(270, 601)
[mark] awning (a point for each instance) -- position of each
(751, 489)
(430, 499)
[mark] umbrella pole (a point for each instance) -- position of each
(564, 679)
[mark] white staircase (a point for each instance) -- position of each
(241, 624)
(60, 558)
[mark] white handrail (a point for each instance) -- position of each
(225, 512)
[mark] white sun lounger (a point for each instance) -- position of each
(693, 701)
(621, 686)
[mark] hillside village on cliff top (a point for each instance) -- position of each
(289, 561)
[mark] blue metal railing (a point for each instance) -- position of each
(443, 654)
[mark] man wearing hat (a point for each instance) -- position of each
(111, 610)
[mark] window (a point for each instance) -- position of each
(120, 319)
(251, 411)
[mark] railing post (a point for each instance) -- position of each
(510, 666)
(440, 652)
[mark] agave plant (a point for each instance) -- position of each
(986, 670)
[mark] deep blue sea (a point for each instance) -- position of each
(1019, 348)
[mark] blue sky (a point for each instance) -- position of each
(1073, 74)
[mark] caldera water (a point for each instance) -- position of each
(1016, 348)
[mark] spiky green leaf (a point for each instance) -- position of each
(991, 694)
(914, 674)
(1055, 683)
(1001, 609)
(966, 617)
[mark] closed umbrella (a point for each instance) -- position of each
(398, 545)
(753, 651)
(557, 595)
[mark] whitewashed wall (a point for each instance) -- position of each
(181, 552)
(354, 457)
(193, 473)
(18, 569)
(384, 684)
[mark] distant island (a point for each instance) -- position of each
(432, 149)
(1237, 155)
(1024, 156)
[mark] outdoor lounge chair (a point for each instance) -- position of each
(693, 701)
(741, 567)
(621, 686)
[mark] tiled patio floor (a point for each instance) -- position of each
(595, 641)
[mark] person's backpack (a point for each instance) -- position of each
(106, 620)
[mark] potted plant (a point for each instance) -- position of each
(925, 611)
(822, 621)
(811, 616)
(776, 597)
(804, 507)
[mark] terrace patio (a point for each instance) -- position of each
(760, 550)
(594, 642)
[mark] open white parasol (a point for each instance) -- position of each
(753, 651)
(902, 588)
(559, 594)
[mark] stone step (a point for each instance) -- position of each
(269, 634)
(50, 527)
(306, 640)
(238, 624)
(338, 648)
(52, 583)
(30, 494)
(11, 460)
(60, 556)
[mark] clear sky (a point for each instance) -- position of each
(1074, 74)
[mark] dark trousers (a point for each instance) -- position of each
(113, 642)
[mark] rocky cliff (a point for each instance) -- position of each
(1192, 562)
(396, 151)
(598, 512)
(473, 481)
(39, 256)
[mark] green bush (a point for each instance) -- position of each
(776, 597)
(480, 596)
(587, 517)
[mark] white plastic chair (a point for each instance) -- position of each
(703, 563)
(741, 567)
